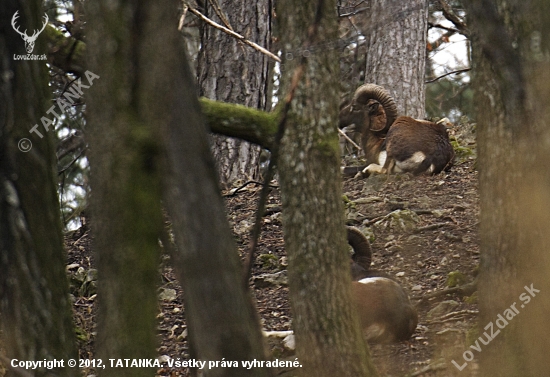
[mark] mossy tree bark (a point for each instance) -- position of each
(511, 56)
(66, 53)
(232, 72)
(145, 101)
(126, 41)
(252, 124)
(328, 338)
(396, 33)
(34, 298)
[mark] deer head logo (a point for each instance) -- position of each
(29, 40)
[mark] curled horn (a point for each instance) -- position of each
(372, 91)
(362, 252)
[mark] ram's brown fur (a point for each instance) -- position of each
(412, 145)
(385, 311)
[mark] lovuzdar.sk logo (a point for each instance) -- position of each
(29, 39)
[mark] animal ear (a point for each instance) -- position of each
(373, 107)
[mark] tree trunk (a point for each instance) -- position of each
(221, 318)
(34, 298)
(328, 338)
(511, 56)
(126, 103)
(232, 72)
(256, 126)
(396, 33)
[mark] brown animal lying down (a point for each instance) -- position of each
(385, 311)
(393, 143)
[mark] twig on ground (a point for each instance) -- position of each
(466, 290)
(430, 227)
(429, 368)
(453, 316)
(235, 191)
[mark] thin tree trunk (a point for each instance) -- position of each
(220, 314)
(511, 56)
(232, 72)
(221, 318)
(126, 43)
(34, 299)
(396, 48)
(328, 339)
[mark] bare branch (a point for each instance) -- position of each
(70, 144)
(354, 13)
(450, 14)
(348, 139)
(219, 12)
(439, 26)
(182, 18)
(447, 74)
(353, 9)
(443, 38)
(233, 34)
(63, 169)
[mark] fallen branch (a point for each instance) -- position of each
(453, 316)
(234, 191)
(429, 368)
(460, 312)
(465, 290)
(430, 227)
(376, 219)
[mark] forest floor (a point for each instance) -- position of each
(422, 229)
